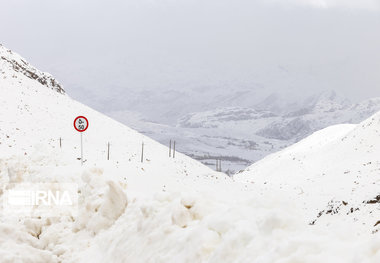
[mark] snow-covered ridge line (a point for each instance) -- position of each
(19, 64)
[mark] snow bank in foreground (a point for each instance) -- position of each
(220, 222)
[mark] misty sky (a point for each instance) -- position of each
(118, 48)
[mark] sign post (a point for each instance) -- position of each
(81, 125)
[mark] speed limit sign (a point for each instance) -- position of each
(81, 123)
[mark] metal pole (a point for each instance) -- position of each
(81, 148)
(60, 142)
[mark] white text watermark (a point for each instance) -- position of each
(40, 199)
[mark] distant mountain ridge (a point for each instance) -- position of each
(314, 113)
(243, 135)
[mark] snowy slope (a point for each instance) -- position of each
(334, 175)
(13, 63)
(34, 116)
(161, 210)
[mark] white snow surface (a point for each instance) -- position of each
(334, 173)
(178, 210)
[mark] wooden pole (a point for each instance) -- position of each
(108, 151)
(170, 148)
(218, 164)
(142, 152)
(174, 150)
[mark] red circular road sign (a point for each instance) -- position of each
(81, 123)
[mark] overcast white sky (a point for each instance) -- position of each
(103, 48)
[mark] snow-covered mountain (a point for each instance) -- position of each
(176, 209)
(333, 175)
(240, 136)
(35, 117)
(13, 63)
